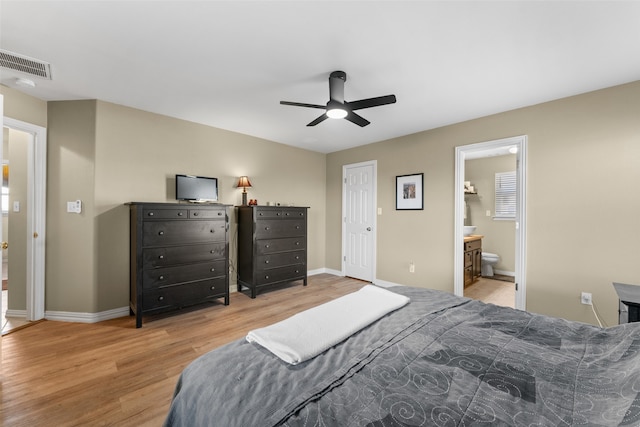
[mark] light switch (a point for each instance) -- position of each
(379, 211)
(488, 213)
(16, 206)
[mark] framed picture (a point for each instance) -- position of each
(409, 194)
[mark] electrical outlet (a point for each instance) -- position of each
(412, 267)
(585, 298)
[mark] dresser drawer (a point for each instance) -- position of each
(266, 246)
(154, 213)
(278, 228)
(281, 274)
(184, 294)
(281, 259)
(276, 212)
(468, 259)
(166, 276)
(161, 233)
(206, 213)
(176, 255)
(474, 244)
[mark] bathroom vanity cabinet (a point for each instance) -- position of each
(472, 259)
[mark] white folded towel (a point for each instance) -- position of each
(310, 332)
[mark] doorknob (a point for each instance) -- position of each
(5, 245)
(368, 228)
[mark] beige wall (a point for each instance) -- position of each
(22, 107)
(583, 164)
(135, 156)
(499, 236)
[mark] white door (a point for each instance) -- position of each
(359, 201)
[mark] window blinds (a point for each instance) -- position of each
(505, 195)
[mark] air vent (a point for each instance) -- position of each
(24, 64)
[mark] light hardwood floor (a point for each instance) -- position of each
(493, 291)
(111, 374)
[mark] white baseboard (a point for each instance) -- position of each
(505, 273)
(16, 313)
(70, 316)
(385, 284)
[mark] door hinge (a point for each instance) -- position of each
(344, 258)
(516, 286)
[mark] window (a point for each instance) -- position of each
(505, 195)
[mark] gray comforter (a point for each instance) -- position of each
(440, 361)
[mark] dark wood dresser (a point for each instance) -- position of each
(179, 256)
(272, 246)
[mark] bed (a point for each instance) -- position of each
(440, 360)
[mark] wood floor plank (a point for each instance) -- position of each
(110, 373)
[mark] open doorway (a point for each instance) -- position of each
(513, 250)
(24, 154)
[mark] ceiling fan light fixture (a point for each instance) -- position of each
(337, 113)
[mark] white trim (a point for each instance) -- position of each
(374, 255)
(21, 314)
(521, 170)
(505, 272)
(70, 316)
(385, 284)
(37, 202)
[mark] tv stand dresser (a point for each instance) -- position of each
(179, 256)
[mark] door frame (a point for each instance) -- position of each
(36, 214)
(374, 204)
(520, 142)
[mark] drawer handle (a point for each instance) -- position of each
(161, 233)
(287, 214)
(150, 214)
(160, 298)
(297, 271)
(260, 214)
(161, 278)
(212, 230)
(266, 261)
(212, 251)
(213, 269)
(301, 214)
(161, 257)
(266, 228)
(219, 214)
(195, 214)
(297, 257)
(267, 246)
(297, 243)
(213, 288)
(266, 277)
(278, 214)
(179, 213)
(297, 227)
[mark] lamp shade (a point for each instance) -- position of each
(244, 182)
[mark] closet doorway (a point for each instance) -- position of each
(514, 145)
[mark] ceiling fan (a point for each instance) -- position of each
(338, 108)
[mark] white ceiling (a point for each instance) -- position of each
(228, 63)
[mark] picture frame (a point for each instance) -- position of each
(409, 192)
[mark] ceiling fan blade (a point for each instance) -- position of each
(320, 119)
(359, 120)
(371, 102)
(299, 104)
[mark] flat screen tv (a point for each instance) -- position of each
(197, 189)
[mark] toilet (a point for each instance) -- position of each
(488, 261)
